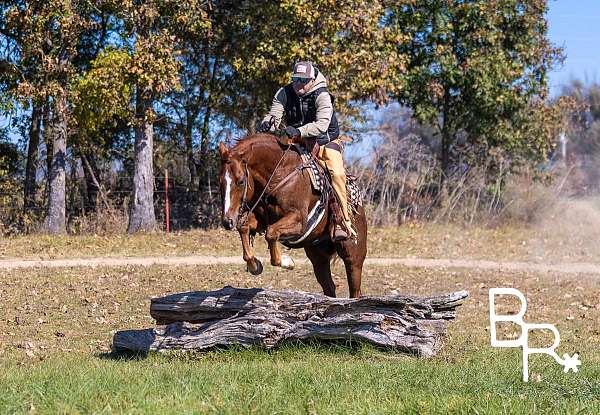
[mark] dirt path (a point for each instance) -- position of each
(568, 268)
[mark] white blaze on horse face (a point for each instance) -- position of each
(227, 192)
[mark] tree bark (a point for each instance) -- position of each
(49, 141)
(55, 213)
(445, 150)
(248, 317)
(32, 158)
(191, 115)
(141, 216)
(204, 137)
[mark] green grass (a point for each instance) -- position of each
(297, 380)
(56, 327)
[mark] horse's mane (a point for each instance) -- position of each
(245, 144)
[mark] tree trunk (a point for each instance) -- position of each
(72, 188)
(94, 173)
(189, 146)
(445, 156)
(210, 100)
(445, 151)
(248, 317)
(445, 159)
(55, 214)
(141, 216)
(49, 141)
(205, 137)
(91, 174)
(32, 158)
(204, 144)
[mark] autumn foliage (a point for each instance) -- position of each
(110, 89)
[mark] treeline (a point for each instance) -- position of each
(98, 90)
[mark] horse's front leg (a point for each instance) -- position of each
(277, 259)
(253, 265)
(289, 225)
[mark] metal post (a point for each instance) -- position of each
(563, 146)
(167, 199)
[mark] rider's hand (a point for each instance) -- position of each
(265, 126)
(292, 132)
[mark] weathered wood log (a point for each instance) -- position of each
(234, 316)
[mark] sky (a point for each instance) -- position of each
(575, 26)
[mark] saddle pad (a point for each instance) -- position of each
(314, 217)
(314, 173)
(354, 192)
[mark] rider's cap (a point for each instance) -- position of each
(303, 70)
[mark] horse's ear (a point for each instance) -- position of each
(223, 151)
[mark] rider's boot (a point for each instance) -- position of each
(339, 234)
(342, 232)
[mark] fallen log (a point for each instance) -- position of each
(203, 320)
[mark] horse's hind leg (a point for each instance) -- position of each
(253, 265)
(354, 276)
(320, 259)
(353, 253)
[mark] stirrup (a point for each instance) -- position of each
(339, 234)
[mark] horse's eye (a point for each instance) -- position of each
(241, 182)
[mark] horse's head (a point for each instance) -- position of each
(235, 190)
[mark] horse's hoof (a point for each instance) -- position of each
(287, 262)
(259, 268)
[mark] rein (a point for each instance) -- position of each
(244, 208)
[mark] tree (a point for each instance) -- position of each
(124, 87)
(478, 69)
(200, 34)
(580, 150)
(11, 70)
(155, 69)
(45, 35)
(345, 39)
(29, 188)
(101, 102)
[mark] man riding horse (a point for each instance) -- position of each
(306, 107)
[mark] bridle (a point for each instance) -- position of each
(245, 210)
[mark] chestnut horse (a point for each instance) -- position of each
(265, 189)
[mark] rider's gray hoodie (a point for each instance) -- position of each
(324, 110)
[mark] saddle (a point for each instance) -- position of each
(319, 176)
(321, 184)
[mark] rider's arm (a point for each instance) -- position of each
(323, 118)
(277, 110)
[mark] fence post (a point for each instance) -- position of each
(167, 199)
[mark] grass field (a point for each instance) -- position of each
(535, 244)
(56, 328)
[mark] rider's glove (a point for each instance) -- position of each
(265, 126)
(292, 131)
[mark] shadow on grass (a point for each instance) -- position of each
(123, 355)
(339, 347)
